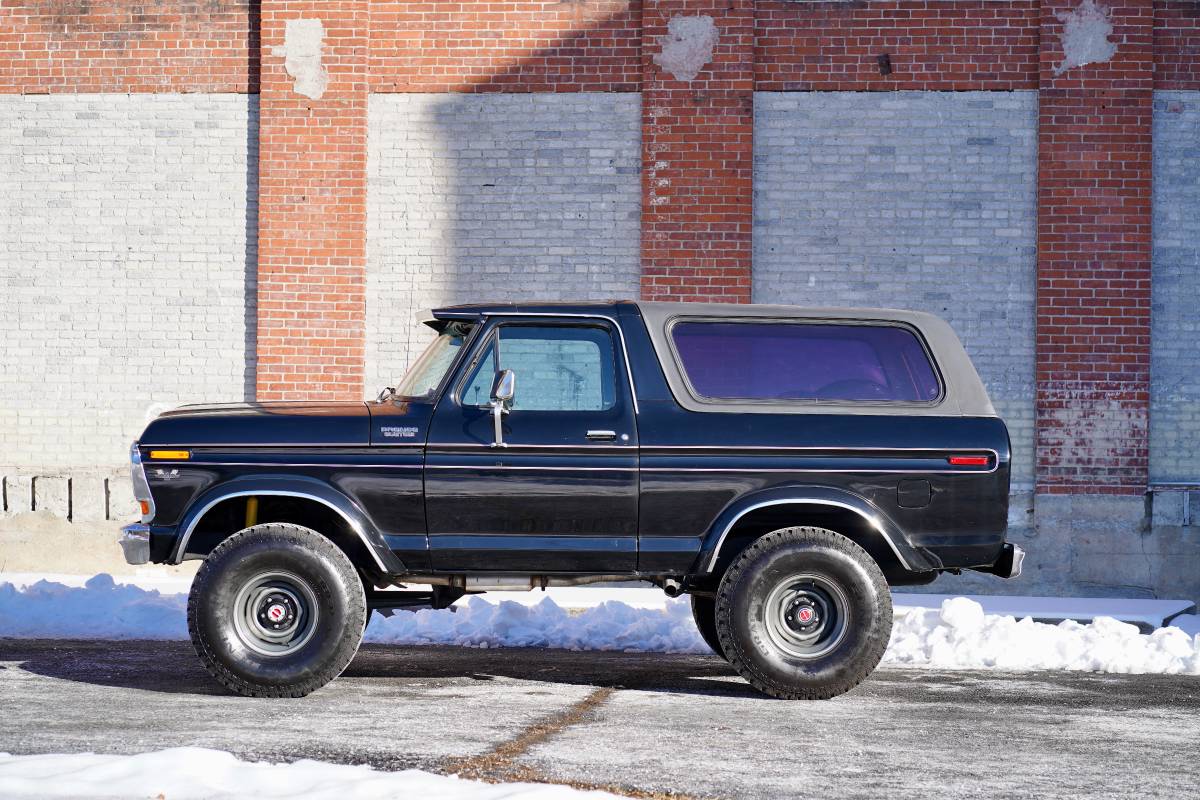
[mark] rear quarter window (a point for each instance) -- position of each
(798, 361)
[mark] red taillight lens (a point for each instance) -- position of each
(968, 461)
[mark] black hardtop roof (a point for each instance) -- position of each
(668, 309)
(965, 393)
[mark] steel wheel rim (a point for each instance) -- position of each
(275, 613)
(806, 634)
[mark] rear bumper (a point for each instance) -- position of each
(135, 542)
(1008, 565)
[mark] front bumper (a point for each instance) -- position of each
(135, 542)
(1008, 565)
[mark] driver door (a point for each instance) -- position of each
(561, 493)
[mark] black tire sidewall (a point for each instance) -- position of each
(868, 622)
(704, 613)
(337, 620)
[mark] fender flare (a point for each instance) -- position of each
(289, 486)
(909, 557)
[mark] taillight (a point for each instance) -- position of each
(968, 461)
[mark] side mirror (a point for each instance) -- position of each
(504, 388)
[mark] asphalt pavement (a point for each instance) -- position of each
(641, 724)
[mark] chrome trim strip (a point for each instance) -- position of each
(181, 544)
(285, 464)
(612, 320)
(514, 466)
(874, 521)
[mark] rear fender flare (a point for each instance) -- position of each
(289, 486)
(909, 557)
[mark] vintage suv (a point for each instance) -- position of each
(780, 465)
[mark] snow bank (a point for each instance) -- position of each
(959, 635)
(195, 772)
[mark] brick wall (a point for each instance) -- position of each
(506, 197)
(938, 46)
(527, 46)
(697, 132)
(1175, 356)
(1093, 310)
(126, 46)
(312, 201)
(920, 200)
(127, 237)
(1177, 45)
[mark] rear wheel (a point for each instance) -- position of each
(804, 613)
(276, 610)
(704, 612)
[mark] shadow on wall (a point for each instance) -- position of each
(496, 197)
(254, 82)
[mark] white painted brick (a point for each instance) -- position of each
(1175, 344)
(89, 499)
(52, 493)
(504, 197)
(18, 493)
(126, 246)
(121, 504)
(922, 200)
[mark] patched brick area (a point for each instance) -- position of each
(127, 242)
(1174, 353)
(505, 197)
(923, 200)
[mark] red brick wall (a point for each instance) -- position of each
(932, 44)
(1177, 45)
(697, 160)
(127, 46)
(312, 211)
(528, 46)
(1093, 287)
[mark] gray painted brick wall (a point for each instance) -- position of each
(127, 245)
(1175, 344)
(923, 200)
(495, 197)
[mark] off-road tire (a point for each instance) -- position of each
(704, 612)
(337, 625)
(771, 562)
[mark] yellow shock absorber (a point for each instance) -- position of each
(251, 511)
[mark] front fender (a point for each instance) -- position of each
(813, 497)
(289, 486)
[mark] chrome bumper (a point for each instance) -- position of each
(135, 541)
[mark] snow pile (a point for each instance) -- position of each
(609, 626)
(101, 609)
(195, 772)
(959, 635)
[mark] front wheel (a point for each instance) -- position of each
(804, 614)
(276, 610)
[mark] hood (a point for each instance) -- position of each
(262, 424)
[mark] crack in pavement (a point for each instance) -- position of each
(498, 765)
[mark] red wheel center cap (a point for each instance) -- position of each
(276, 613)
(805, 615)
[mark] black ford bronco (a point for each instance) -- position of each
(780, 465)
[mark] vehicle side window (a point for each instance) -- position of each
(831, 362)
(558, 368)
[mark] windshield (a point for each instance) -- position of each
(425, 375)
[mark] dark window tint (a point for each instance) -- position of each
(789, 361)
(557, 368)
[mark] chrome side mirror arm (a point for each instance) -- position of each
(504, 388)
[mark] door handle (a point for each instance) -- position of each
(596, 436)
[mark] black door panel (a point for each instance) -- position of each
(551, 499)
